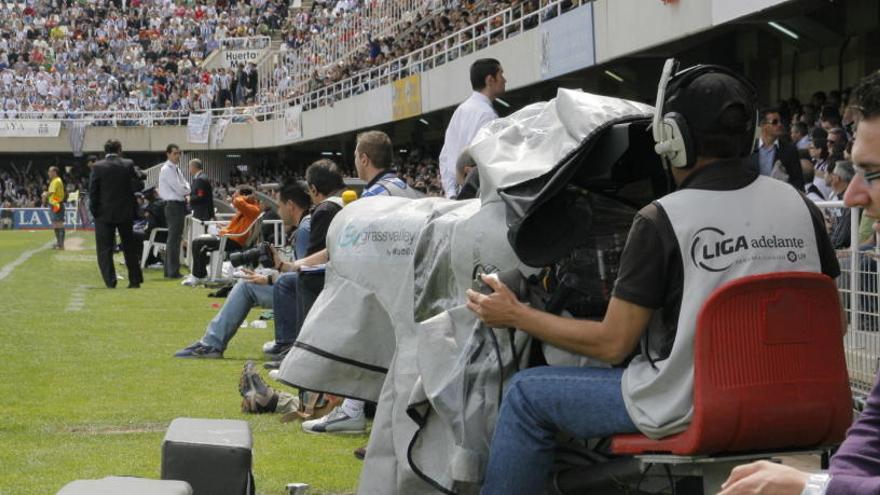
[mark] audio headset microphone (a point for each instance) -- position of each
(674, 142)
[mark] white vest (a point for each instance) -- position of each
(722, 235)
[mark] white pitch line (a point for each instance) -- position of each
(7, 270)
(77, 299)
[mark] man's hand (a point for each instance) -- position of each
(496, 310)
(254, 278)
(764, 477)
(276, 257)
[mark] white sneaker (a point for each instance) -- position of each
(192, 281)
(336, 422)
(268, 345)
(273, 374)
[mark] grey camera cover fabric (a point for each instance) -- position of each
(390, 325)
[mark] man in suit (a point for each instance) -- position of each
(773, 157)
(201, 197)
(112, 185)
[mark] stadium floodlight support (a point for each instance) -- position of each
(784, 30)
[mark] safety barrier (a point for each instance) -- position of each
(858, 285)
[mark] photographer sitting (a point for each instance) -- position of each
(247, 209)
(670, 251)
(256, 289)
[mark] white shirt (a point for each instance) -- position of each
(172, 184)
(469, 117)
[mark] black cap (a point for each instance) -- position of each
(704, 99)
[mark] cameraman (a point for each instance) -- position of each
(256, 289)
(653, 392)
(247, 209)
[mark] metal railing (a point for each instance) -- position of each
(349, 32)
(858, 285)
(246, 43)
(489, 31)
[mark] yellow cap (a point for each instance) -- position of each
(348, 196)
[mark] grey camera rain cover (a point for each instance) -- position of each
(390, 325)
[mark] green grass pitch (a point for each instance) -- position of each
(89, 384)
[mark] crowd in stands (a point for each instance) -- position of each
(310, 56)
(822, 132)
(60, 59)
(70, 57)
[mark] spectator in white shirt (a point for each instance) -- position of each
(173, 188)
(487, 81)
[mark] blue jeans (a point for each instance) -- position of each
(294, 295)
(239, 302)
(585, 402)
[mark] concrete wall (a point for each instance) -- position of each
(624, 27)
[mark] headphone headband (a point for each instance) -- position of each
(670, 130)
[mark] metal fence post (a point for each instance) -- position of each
(855, 276)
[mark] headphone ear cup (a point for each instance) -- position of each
(680, 145)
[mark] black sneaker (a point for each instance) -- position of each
(272, 365)
(277, 351)
(257, 397)
(199, 350)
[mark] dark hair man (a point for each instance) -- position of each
(54, 197)
(488, 83)
(774, 158)
(372, 160)
(201, 198)
(653, 392)
(112, 185)
(800, 135)
(256, 289)
(854, 467)
(173, 189)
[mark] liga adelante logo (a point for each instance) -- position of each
(714, 250)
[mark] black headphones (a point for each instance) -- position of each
(675, 145)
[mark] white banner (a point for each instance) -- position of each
(30, 128)
(219, 131)
(232, 58)
(198, 130)
(293, 123)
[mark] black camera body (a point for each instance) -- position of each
(260, 255)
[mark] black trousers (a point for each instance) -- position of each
(105, 239)
(202, 248)
(175, 212)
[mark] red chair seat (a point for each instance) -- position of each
(769, 370)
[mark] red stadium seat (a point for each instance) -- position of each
(769, 371)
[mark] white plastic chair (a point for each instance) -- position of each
(253, 233)
(151, 243)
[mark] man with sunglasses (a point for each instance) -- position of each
(774, 158)
(854, 468)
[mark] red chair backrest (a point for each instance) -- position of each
(769, 366)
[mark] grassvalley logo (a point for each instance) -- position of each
(397, 242)
(714, 250)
